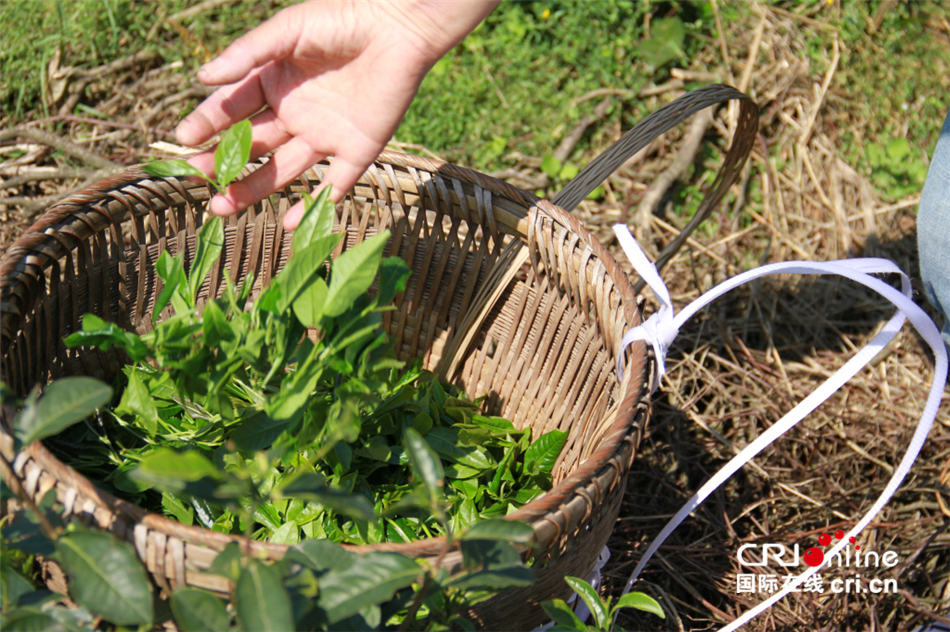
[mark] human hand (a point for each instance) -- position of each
(336, 79)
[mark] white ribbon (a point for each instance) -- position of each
(661, 329)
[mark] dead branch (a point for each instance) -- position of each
(60, 143)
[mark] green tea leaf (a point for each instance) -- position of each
(500, 529)
(445, 441)
(592, 599)
(562, 614)
(317, 220)
(308, 306)
(261, 600)
(257, 432)
(179, 473)
(488, 554)
(311, 486)
(173, 168)
(210, 243)
(98, 333)
(303, 268)
(22, 531)
(425, 463)
(106, 577)
(30, 620)
(227, 563)
(65, 402)
(321, 555)
(499, 423)
(393, 274)
(171, 271)
(642, 602)
(352, 273)
(495, 579)
(198, 611)
(215, 326)
(184, 515)
(542, 454)
(233, 152)
(12, 586)
(288, 533)
(136, 400)
(372, 579)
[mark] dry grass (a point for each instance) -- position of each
(739, 366)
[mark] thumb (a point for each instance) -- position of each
(272, 40)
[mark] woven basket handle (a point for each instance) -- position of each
(654, 125)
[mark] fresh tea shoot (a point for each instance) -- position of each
(237, 419)
(233, 152)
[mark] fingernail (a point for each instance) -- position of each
(206, 71)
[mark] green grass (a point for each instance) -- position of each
(94, 32)
(895, 86)
(510, 85)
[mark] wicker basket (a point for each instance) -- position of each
(510, 297)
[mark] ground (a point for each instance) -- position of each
(850, 100)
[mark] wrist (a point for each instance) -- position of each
(438, 25)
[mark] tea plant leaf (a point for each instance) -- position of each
(173, 169)
(198, 611)
(372, 579)
(96, 332)
(425, 463)
(562, 614)
(353, 272)
(317, 220)
(106, 577)
(311, 486)
(288, 533)
(500, 529)
(308, 307)
(261, 600)
(22, 531)
(227, 563)
(542, 454)
(136, 400)
(445, 442)
(171, 271)
(233, 152)
(12, 586)
(65, 402)
(302, 269)
(393, 273)
(30, 620)
(258, 432)
(210, 243)
(320, 555)
(180, 473)
(495, 579)
(592, 599)
(184, 515)
(640, 601)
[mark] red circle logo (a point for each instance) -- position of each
(814, 556)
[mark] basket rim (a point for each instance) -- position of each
(602, 469)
